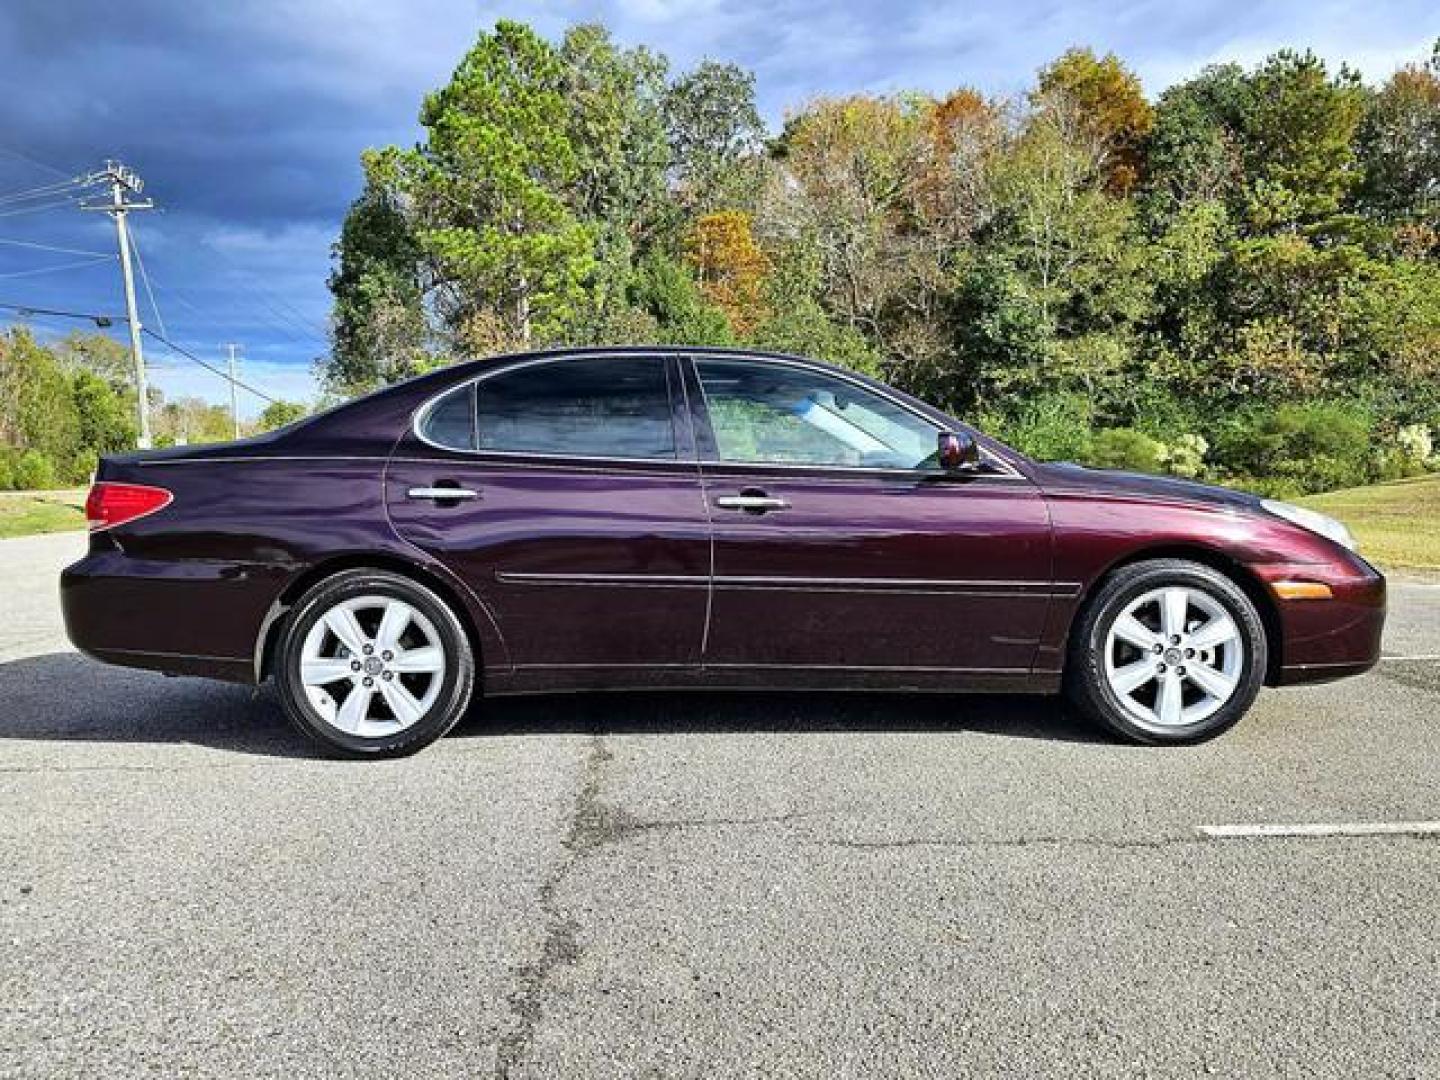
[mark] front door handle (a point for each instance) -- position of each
(751, 502)
(442, 494)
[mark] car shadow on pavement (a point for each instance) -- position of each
(65, 697)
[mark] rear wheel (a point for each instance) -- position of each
(373, 664)
(1168, 651)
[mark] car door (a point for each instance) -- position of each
(565, 493)
(842, 554)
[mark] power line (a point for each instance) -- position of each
(30, 309)
(37, 209)
(31, 194)
(101, 320)
(32, 161)
(145, 278)
(293, 328)
(191, 356)
(282, 328)
(295, 319)
(52, 247)
(61, 266)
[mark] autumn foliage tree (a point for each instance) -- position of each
(730, 265)
(1110, 105)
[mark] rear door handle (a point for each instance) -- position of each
(754, 504)
(454, 494)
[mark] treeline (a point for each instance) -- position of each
(64, 404)
(1240, 280)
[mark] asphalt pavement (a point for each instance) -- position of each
(716, 886)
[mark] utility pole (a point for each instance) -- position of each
(123, 181)
(234, 401)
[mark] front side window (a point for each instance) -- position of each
(772, 414)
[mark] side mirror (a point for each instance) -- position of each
(959, 452)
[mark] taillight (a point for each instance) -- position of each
(110, 504)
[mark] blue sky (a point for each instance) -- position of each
(246, 118)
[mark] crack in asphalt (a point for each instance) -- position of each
(593, 824)
(588, 828)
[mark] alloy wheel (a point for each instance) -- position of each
(372, 666)
(1173, 657)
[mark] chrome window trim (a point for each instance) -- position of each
(1006, 471)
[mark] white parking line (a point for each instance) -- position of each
(1359, 828)
(1430, 656)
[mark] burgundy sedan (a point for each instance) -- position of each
(682, 518)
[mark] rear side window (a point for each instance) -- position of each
(593, 407)
(451, 420)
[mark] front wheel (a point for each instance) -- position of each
(373, 664)
(1168, 651)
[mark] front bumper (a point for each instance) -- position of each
(1330, 638)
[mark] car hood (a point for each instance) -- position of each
(1063, 477)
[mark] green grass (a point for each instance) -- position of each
(1397, 524)
(25, 513)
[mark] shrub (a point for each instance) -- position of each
(1410, 453)
(7, 470)
(82, 467)
(1049, 427)
(1414, 441)
(34, 471)
(1185, 456)
(1125, 448)
(1305, 448)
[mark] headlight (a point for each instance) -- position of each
(1308, 519)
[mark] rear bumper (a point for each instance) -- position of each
(1321, 640)
(192, 617)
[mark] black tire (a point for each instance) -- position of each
(1090, 691)
(457, 682)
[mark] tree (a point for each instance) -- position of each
(1398, 144)
(487, 193)
(616, 102)
(721, 248)
(1109, 102)
(1056, 290)
(106, 420)
(191, 420)
(37, 411)
(1299, 135)
(100, 354)
(1195, 143)
(715, 130)
(847, 194)
(666, 293)
(378, 331)
(280, 413)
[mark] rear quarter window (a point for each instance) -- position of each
(450, 421)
